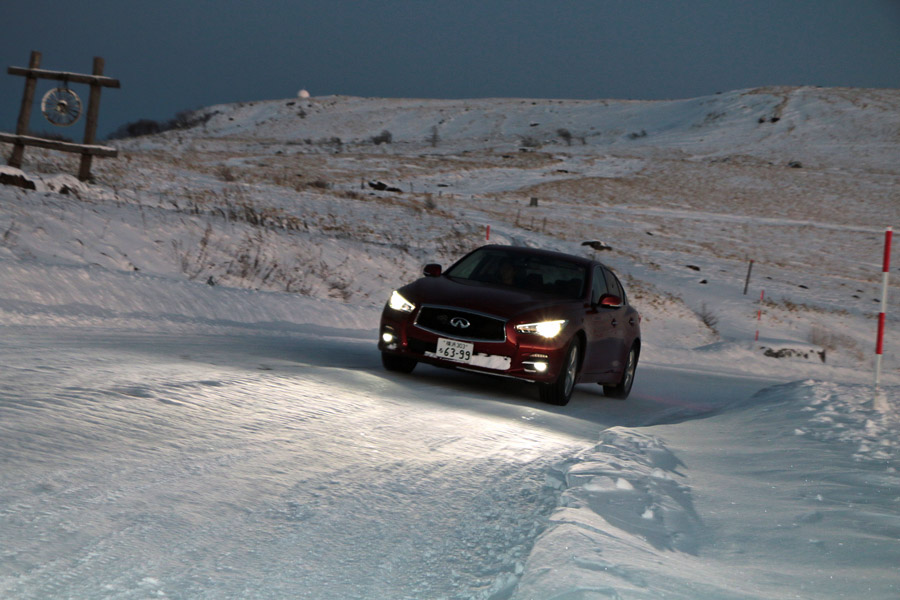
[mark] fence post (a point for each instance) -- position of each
(90, 127)
(18, 153)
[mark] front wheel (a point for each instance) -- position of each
(623, 388)
(559, 392)
(397, 363)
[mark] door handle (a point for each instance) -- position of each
(614, 323)
(631, 321)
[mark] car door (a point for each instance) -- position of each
(626, 319)
(603, 326)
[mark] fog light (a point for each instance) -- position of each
(387, 337)
(537, 363)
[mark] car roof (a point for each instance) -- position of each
(522, 250)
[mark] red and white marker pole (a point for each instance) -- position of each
(885, 272)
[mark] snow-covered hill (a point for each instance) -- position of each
(188, 345)
(850, 128)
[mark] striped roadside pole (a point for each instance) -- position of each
(885, 272)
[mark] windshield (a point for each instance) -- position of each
(533, 273)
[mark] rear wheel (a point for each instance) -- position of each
(397, 363)
(623, 388)
(559, 392)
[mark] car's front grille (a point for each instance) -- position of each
(421, 346)
(461, 324)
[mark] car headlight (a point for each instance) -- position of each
(398, 302)
(547, 329)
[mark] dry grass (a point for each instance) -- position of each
(821, 336)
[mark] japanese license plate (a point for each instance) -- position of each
(454, 350)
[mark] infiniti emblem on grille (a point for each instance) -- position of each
(459, 322)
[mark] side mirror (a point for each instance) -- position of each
(610, 301)
(433, 270)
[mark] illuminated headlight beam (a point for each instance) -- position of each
(547, 329)
(398, 302)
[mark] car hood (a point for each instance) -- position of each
(491, 299)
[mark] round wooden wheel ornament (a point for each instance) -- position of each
(61, 106)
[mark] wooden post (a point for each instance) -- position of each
(90, 127)
(18, 153)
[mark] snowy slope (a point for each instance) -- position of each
(833, 127)
(192, 405)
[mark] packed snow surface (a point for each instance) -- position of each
(192, 404)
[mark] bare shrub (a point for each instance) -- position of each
(184, 119)
(226, 174)
(385, 137)
(136, 129)
(234, 205)
(820, 336)
(566, 135)
(708, 318)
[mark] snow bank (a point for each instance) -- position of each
(638, 515)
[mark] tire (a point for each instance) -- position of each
(623, 388)
(559, 392)
(397, 363)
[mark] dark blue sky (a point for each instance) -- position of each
(174, 55)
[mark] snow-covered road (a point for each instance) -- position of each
(268, 466)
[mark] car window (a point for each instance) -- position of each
(598, 286)
(533, 273)
(465, 267)
(615, 288)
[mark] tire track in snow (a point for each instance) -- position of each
(136, 470)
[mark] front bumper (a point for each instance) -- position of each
(521, 356)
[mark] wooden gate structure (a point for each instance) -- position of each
(88, 149)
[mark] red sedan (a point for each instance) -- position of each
(546, 317)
